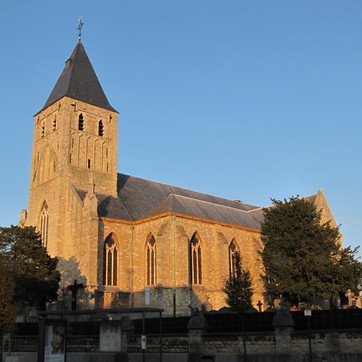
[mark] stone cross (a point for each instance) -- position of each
(74, 289)
(260, 304)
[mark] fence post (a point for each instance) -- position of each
(284, 326)
(126, 327)
(197, 325)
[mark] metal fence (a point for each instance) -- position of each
(223, 323)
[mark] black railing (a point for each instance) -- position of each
(222, 323)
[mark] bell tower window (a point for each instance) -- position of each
(81, 122)
(100, 128)
(55, 123)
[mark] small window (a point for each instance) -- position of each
(42, 130)
(81, 122)
(67, 64)
(55, 123)
(89, 163)
(100, 128)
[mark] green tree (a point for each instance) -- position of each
(238, 287)
(302, 256)
(34, 271)
(350, 267)
(7, 309)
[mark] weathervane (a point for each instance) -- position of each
(80, 28)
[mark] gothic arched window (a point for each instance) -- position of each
(151, 260)
(44, 224)
(195, 260)
(100, 128)
(110, 261)
(233, 249)
(81, 122)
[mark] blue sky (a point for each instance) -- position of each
(242, 99)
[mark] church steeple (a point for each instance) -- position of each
(75, 133)
(79, 81)
(75, 145)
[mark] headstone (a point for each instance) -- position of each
(110, 337)
(147, 296)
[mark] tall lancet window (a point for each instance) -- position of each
(44, 224)
(195, 260)
(110, 261)
(233, 249)
(100, 128)
(151, 260)
(81, 122)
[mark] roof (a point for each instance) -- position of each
(140, 196)
(109, 206)
(79, 81)
(139, 199)
(208, 211)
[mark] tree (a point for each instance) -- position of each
(302, 256)
(238, 287)
(350, 270)
(34, 271)
(7, 309)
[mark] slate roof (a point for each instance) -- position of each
(140, 196)
(109, 206)
(79, 81)
(206, 210)
(139, 199)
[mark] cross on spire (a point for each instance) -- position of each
(80, 28)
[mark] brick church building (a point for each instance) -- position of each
(118, 234)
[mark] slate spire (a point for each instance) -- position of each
(79, 81)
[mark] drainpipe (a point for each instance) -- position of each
(173, 221)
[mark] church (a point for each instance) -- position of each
(125, 237)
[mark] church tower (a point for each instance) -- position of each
(74, 154)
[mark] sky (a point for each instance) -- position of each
(243, 99)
